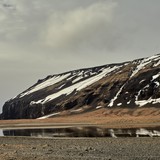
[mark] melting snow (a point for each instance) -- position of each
(144, 102)
(143, 63)
(46, 83)
(138, 95)
(155, 76)
(98, 107)
(157, 64)
(157, 84)
(78, 86)
(119, 104)
(77, 110)
(77, 79)
(70, 77)
(61, 86)
(141, 81)
(128, 102)
(50, 115)
(112, 101)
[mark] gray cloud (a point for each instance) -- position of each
(80, 28)
(42, 37)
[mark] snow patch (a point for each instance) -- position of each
(78, 86)
(128, 102)
(138, 95)
(77, 110)
(157, 64)
(45, 84)
(70, 77)
(144, 102)
(141, 81)
(61, 86)
(155, 76)
(98, 107)
(143, 63)
(157, 84)
(113, 100)
(50, 115)
(119, 104)
(77, 79)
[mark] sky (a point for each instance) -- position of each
(46, 37)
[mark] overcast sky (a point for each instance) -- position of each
(43, 37)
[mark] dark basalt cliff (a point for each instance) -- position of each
(129, 84)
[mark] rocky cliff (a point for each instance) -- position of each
(129, 84)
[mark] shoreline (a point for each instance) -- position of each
(72, 125)
(108, 118)
(86, 148)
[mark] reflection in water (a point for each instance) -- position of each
(1, 132)
(84, 132)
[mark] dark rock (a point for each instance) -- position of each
(122, 87)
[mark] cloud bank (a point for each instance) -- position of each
(42, 37)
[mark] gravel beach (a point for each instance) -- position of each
(126, 148)
(26, 148)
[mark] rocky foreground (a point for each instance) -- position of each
(18, 148)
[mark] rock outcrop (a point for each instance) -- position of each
(129, 84)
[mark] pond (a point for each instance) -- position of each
(84, 132)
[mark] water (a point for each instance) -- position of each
(1, 132)
(83, 132)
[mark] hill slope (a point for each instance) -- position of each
(129, 84)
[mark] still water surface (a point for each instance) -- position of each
(83, 132)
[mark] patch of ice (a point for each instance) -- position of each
(78, 86)
(45, 84)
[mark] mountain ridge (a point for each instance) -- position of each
(127, 84)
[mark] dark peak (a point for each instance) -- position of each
(128, 84)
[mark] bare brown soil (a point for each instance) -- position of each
(110, 118)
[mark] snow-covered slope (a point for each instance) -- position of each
(129, 84)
